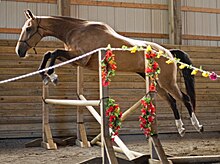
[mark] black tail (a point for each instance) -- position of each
(188, 78)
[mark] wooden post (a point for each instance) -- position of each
(108, 155)
(171, 21)
(177, 22)
(156, 149)
(82, 140)
(47, 142)
(63, 7)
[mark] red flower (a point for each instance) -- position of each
(143, 111)
(113, 66)
(142, 126)
(155, 65)
(153, 55)
(116, 133)
(150, 119)
(153, 110)
(112, 118)
(105, 83)
(147, 131)
(152, 87)
(144, 103)
(147, 56)
(148, 70)
(120, 115)
(108, 54)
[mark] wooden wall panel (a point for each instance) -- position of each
(20, 110)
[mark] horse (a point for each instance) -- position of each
(81, 36)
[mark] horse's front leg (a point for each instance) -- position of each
(43, 64)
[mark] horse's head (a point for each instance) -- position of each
(30, 34)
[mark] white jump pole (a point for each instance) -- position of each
(73, 102)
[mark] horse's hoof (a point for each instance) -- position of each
(46, 80)
(54, 78)
(182, 132)
(200, 128)
(55, 81)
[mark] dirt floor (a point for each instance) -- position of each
(14, 151)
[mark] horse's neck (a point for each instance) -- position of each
(58, 27)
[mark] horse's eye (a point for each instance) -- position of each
(28, 29)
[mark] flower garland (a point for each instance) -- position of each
(212, 75)
(108, 67)
(114, 115)
(148, 111)
(148, 115)
(113, 111)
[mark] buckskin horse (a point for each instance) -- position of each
(82, 36)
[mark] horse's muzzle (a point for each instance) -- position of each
(21, 49)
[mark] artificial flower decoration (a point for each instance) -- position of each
(159, 54)
(148, 110)
(194, 72)
(213, 76)
(205, 74)
(169, 61)
(182, 66)
(108, 67)
(152, 87)
(149, 49)
(147, 115)
(114, 114)
(134, 49)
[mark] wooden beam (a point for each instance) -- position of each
(34, 1)
(171, 21)
(177, 22)
(63, 7)
(10, 30)
(119, 4)
(200, 37)
(144, 35)
(200, 9)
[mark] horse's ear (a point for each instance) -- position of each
(29, 14)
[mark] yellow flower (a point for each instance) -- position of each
(169, 61)
(134, 49)
(182, 66)
(149, 49)
(159, 54)
(194, 72)
(205, 74)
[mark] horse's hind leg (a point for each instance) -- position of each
(175, 92)
(172, 102)
(193, 117)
